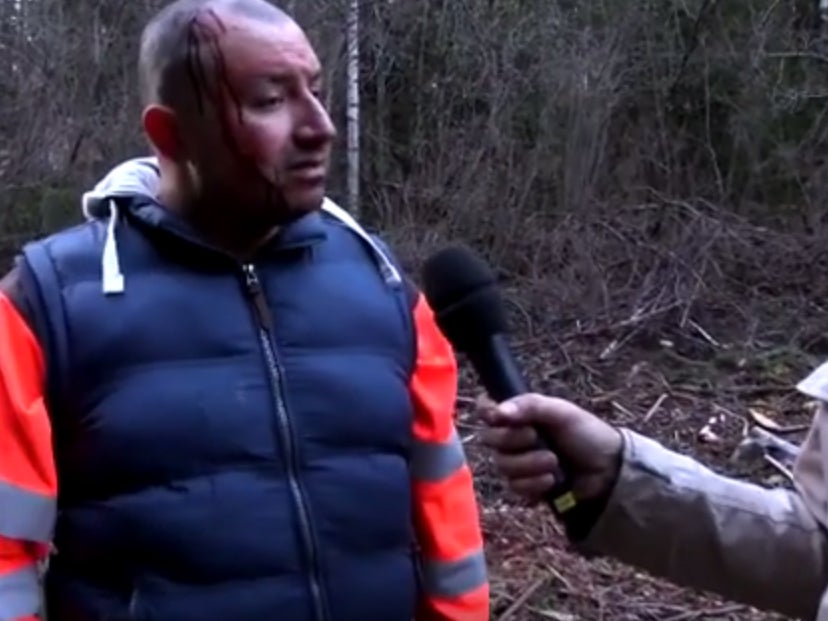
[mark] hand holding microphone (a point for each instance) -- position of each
(547, 448)
(590, 447)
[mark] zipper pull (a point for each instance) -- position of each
(254, 289)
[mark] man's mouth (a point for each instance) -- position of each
(309, 170)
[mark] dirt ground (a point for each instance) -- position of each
(670, 387)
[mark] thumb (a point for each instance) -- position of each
(536, 409)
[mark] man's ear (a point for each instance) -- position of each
(163, 131)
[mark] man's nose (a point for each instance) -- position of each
(316, 125)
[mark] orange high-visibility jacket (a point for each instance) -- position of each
(446, 512)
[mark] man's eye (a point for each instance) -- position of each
(271, 101)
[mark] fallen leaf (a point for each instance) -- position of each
(706, 434)
(763, 420)
(555, 616)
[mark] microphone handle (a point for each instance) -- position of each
(499, 374)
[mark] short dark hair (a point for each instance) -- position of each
(168, 39)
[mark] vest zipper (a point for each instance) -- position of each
(264, 322)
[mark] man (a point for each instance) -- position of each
(669, 515)
(219, 399)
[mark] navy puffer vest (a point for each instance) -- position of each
(232, 440)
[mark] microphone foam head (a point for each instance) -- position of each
(461, 289)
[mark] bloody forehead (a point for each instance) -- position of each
(240, 49)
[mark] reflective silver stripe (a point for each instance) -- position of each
(450, 579)
(26, 515)
(19, 594)
(432, 461)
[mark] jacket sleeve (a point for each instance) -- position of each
(27, 471)
(446, 516)
(676, 519)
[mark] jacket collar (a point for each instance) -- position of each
(303, 232)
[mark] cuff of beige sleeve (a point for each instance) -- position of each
(639, 458)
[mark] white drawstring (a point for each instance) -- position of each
(113, 279)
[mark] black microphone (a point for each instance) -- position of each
(462, 291)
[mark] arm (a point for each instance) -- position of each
(27, 472)
(674, 518)
(446, 516)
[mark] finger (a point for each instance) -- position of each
(533, 488)
(526, 465)
(504, 415)
(484, 401)
(509, 439)
(536, 409)
(486, 410)
(523, 409)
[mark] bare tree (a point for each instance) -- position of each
(352, 114)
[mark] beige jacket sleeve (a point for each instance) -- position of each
(675, 518)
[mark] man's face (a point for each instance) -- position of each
(260, 138)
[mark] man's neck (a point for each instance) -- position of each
(215, 223)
